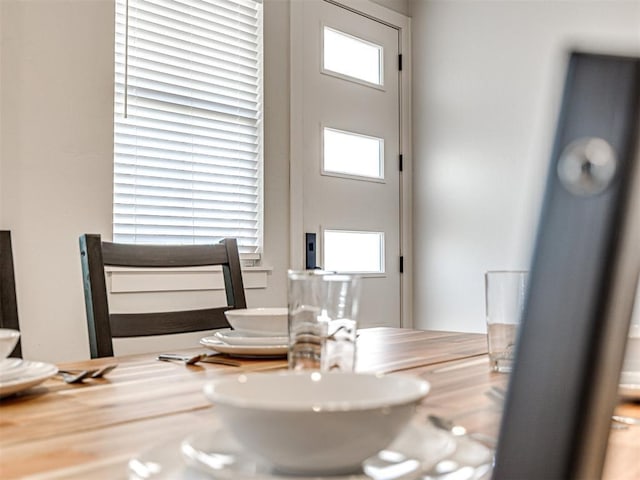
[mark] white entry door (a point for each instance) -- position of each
(350, 128)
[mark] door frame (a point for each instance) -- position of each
(402, 24)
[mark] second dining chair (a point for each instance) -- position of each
(8, 302)
(103, 326)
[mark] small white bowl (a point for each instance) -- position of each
(8, 340)
(267, 321)
(315, 423)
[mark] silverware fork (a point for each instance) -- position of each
(187, 359)
(77, 376)
(73, 376)
(102, 371)
(200, 357)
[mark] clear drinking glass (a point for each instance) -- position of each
(323, 310)
(505, 294)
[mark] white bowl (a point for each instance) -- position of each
(268, 321)
(8, 340)
(315, 423)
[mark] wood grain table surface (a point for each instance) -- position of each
(91, 430)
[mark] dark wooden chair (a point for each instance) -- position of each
(8, 302)
(103, 326)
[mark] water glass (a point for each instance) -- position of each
(505, 294)
(323, 310)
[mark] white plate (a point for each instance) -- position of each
(244, 350)
(629, 385)
(17, 375)
(11, 368)
(215, 453)
(235, 337)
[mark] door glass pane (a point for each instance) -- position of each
(352, 56)
(348, 251)
(352, 154)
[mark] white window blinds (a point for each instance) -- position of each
(188, 122)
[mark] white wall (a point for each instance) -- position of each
(56, 150)
(486, 89)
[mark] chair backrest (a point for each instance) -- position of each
(8, 302)
(103, 326)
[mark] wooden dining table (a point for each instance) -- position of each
(92, 429)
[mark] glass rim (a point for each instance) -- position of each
(518, 272)
(321, 274)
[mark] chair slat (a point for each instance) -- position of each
(163, 256)
(163, 323)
